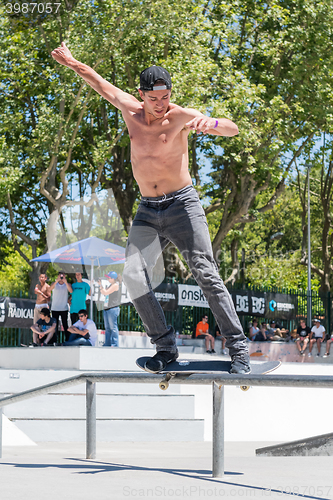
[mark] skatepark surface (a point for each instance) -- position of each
(158, 470)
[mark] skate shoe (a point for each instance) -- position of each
(158, 362)
(240, 363)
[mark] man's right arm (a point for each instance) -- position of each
(114, 95)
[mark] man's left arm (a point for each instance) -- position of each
(208, 125)
(73, 329)
(50, 329)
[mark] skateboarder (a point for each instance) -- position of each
(170, 209)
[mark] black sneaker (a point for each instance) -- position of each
(213, 351)
(158, 362)
(240, 363)
(209, 352)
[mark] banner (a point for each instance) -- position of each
(16, 313)
(191, 295)
(247, 302)
(281, 306)
(265, 304)
(167, 295)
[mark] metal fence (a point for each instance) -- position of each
(185, 318)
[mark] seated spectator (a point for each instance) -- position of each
(302, 339)
(83, 332)
(202, 332)
(278, 336)
(328, 346)
(43, 330)
(218, 336)
(317, 336)
(261, 336)
(285, 334)
(271, 330)
(254, 330)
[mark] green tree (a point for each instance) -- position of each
(57, 132)
(274, 61)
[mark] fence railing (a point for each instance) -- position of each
(218, 382)
(185, 318)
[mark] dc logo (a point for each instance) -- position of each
(258, 305)
(272, 305)
(2, 312)
(242, 303)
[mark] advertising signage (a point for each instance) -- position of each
(16, 313)
(265, 304)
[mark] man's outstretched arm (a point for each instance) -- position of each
(207, 125)
(114, 95)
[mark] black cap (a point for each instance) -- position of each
(149, 76)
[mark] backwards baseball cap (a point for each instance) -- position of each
(149, 76)
(317, 320)
(111, 274)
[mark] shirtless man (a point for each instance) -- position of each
(170, 209)
(42, 290)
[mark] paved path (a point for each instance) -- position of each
(158, 471)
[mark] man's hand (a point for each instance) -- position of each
(62, 55)
(201, 124)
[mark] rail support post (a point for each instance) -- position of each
(90, 419)
(218, 430)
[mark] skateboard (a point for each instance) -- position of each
(189, 367)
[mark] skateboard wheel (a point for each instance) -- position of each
(164, 385)
(245, 387)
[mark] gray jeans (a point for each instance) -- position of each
(177, 217)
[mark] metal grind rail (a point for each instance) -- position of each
(218, 381)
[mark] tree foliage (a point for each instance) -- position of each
(265, 65)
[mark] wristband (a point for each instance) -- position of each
(216, 124)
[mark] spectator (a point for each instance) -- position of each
(202, 332)
(261, 336)
(302, 340)
(254, 330)
(42, 290)
(59, 305)
(218, 336)
(271, 331)
(111, 308)
(80, 290)
(43, 330)
(278, 336)
(317, 336)
(328, 346)
(83, 332)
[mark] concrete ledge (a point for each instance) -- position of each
(317, 446)
(71, 358)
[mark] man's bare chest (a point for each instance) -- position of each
(156, 138)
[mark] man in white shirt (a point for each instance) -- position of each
(59, 305)
(317, 336)
(83, 332)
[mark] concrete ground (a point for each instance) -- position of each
(158, 470)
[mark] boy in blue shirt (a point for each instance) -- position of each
(79, 292)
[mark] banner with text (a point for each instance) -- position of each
(247, 303)
(16, 313)
(265, 304)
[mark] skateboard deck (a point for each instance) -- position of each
(191, 366)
